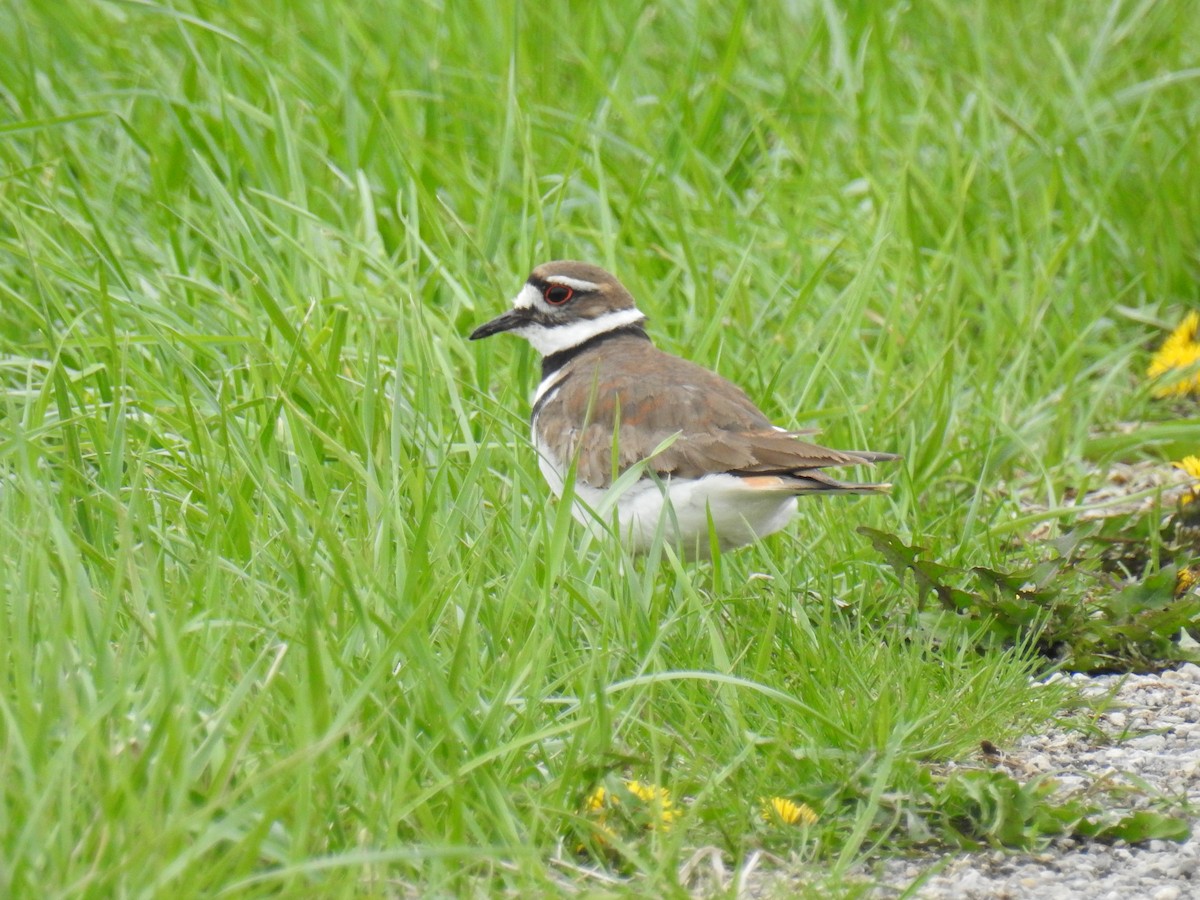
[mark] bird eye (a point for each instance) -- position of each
(558, 294)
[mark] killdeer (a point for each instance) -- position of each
(701, 449)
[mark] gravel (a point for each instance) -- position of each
(1150, 739)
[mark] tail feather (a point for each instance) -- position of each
(873, 456)
(815, 481)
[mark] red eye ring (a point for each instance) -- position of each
(557, 294)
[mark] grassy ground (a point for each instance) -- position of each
(287, 610)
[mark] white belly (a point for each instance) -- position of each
(681, 507)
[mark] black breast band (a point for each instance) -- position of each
(555, 361)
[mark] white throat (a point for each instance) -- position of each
(555, 338)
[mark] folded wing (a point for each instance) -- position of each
(652, 398)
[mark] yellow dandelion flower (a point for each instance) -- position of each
(1190, 465)
(1181, 350)
(781, 809)
(597, 806)
(659, 806)
(1186, 579)
(659, 801)
(597, 799)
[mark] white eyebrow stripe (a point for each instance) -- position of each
(576, 283)
(527, 298)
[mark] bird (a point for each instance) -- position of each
(666, 445)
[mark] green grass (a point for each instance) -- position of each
(287, 610)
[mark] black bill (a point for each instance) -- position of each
(514, 318)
